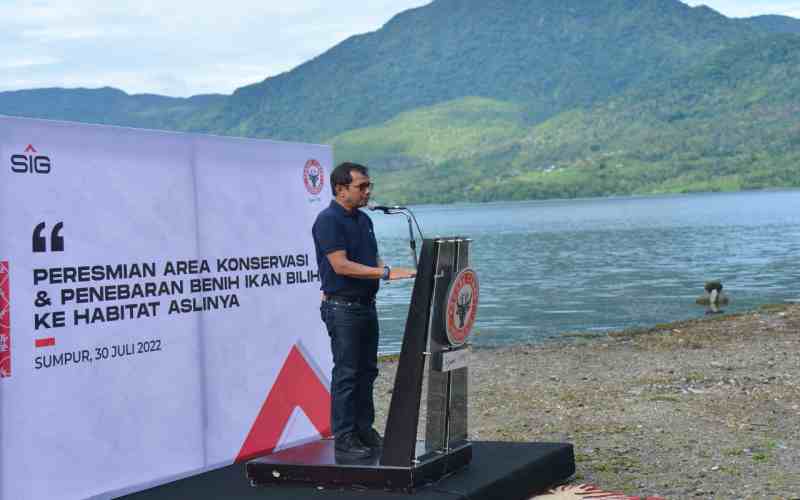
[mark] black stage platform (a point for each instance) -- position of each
(498, 471)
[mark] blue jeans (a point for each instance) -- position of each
(353, 329)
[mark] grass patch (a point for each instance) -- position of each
(695, 377)
(773, 308)
(655, 380)
(618, 464)
(665, 398)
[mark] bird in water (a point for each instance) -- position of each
(713, 298)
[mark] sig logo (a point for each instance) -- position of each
(30, 162)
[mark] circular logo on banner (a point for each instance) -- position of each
(313, 177)
(462, 304)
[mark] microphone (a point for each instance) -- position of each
(385, 208)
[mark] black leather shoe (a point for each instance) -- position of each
(350, 446)
(371, 438)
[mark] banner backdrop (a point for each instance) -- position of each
(158, 305)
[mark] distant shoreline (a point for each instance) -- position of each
(642, 196)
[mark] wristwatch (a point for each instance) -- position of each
(386, 272)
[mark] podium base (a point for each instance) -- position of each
(317, 463)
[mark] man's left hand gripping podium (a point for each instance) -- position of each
(440, 318)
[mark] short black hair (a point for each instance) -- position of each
(341, 174)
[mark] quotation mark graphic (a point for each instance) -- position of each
(56, 240)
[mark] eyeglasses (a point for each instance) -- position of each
(365, 185)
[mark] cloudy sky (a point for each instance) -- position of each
(185, 47)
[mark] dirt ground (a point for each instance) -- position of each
(705, 408)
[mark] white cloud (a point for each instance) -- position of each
(174, 47)
(47, 35)
(27, 62)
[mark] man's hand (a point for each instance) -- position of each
(343, 266)
(399, 273)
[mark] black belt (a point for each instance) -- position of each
(348, 300)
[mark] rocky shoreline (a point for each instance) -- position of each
(705, 408)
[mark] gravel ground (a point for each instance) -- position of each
(697, 409)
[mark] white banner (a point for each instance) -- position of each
(158, 305)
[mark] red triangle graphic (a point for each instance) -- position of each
(30, 149)
(297, 385)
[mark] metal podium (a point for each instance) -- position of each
(438, 301)
(440, 318)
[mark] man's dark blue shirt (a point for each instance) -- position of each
(337, 229)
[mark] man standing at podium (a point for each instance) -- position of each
(350, 269)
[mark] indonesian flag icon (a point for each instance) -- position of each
(298, 402)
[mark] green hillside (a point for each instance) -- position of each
(107, 106)
(430, 136)
(549, 55)
(729, 123)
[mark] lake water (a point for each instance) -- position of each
(552, 267)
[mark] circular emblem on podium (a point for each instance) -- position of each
(462, 304)
(313, 177)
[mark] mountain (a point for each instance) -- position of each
(728, 122)
(107, 106)
(551, 55)
(490, 99)
(773, 24)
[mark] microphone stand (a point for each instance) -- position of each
(409, 215)
(411, 240)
